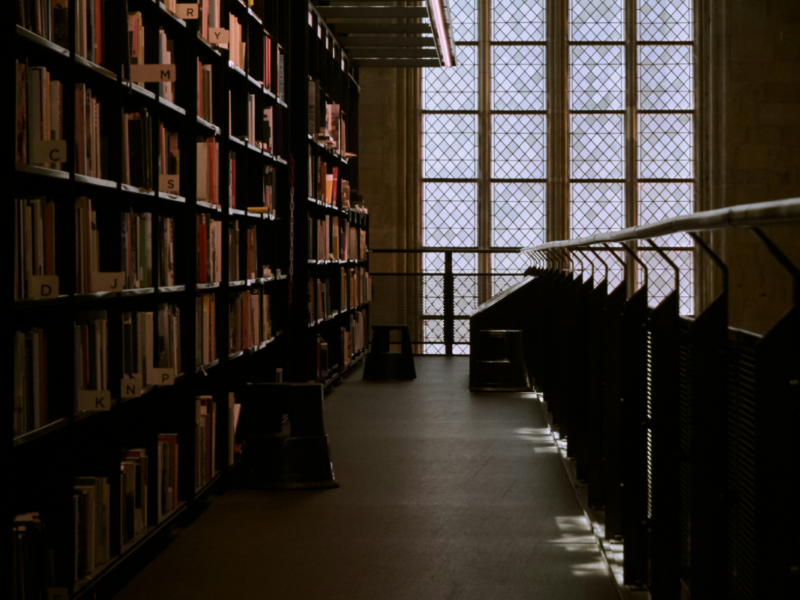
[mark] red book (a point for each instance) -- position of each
(335, 181)
(201, 269)
(200, 90)
(233, 183)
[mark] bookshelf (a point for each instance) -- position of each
(152, 258)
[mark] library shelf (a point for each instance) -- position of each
(207, 286)
(127, 550)
(40, 432)
(29, 36)
(171, 289)
(281, 27)
(134, 292)
(39, 303)
(44, 172)
(208, 206)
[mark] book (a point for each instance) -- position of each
(34, 248)
(205, 440)
(90, 335)
(166, 251)
(205, 327)
(207, 171)
(32, 557)
(167, 475)
(31, 406)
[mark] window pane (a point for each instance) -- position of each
(464, 14)
(518, 21)
(518, 78)
(661, 277)
(455, 88)
(450, 215)
(597, 207)
(597, 20)
(597, 75)
(597, 146)
(665, 20)
(450, 146)
(666, 78)
(465, 295)
(518, 215)
(518, 146)
(658, 201)
(666, 147)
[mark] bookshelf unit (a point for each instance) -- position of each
(131, 250)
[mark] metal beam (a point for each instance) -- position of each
(393, 53)
(371, 12)
(396, 62)
(375, 41)
(395, 28)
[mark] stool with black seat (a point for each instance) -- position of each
(382, 364)
(499, 362)
(270, 458)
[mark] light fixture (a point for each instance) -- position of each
(438, 10)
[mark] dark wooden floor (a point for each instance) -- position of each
(444, 495)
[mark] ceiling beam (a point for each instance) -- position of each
(393, 53)
(372, 12)
(374, 41)
(396, 62)
(338, 28)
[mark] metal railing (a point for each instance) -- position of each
(442, 288)
(685, 430)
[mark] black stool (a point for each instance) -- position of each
(381, 363)
(500, 363)
(272, 460)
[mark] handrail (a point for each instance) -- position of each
(746, 215)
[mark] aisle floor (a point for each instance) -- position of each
(444, 495)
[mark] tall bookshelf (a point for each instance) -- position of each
(58, 442)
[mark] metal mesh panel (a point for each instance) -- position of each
(450, 214)
(518, 146)
(518, 20)
(450, 146)
(665, 20)
(518, 78)
(597, 20)
(666, 146)
(453, 88)
(597, 77)
(666, 78)
(597, 146)
(661, 277)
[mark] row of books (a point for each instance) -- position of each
(209, 18)
(205, 316)
(166, 50)
(358, 289)
(205, 96)
(250, 250)
(30, 381)
(237, 47)
(137, 148)
(249, 320)
(355, 289)
(319, 299)
(354, 340)
(169, 160)
(90, 338)
(32, 560)
(39, 116)
(137, 249)
(322, 185)
(34, 248)
(91, 147)
(336, 239)
(91, 512)
(151, 347)
(205, 443)
(209, 249)
(208, 171)
(323, 358)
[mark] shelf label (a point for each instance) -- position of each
(218, 35)
(108, 282)
(131, 387)
(152, 73)
(52, 151)
(161, 376)
(94, 400)
(169, 184)
(187, 11)
(43, 286)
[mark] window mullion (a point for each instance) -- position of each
(631, 135)
(484, 144)
(557, 59)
